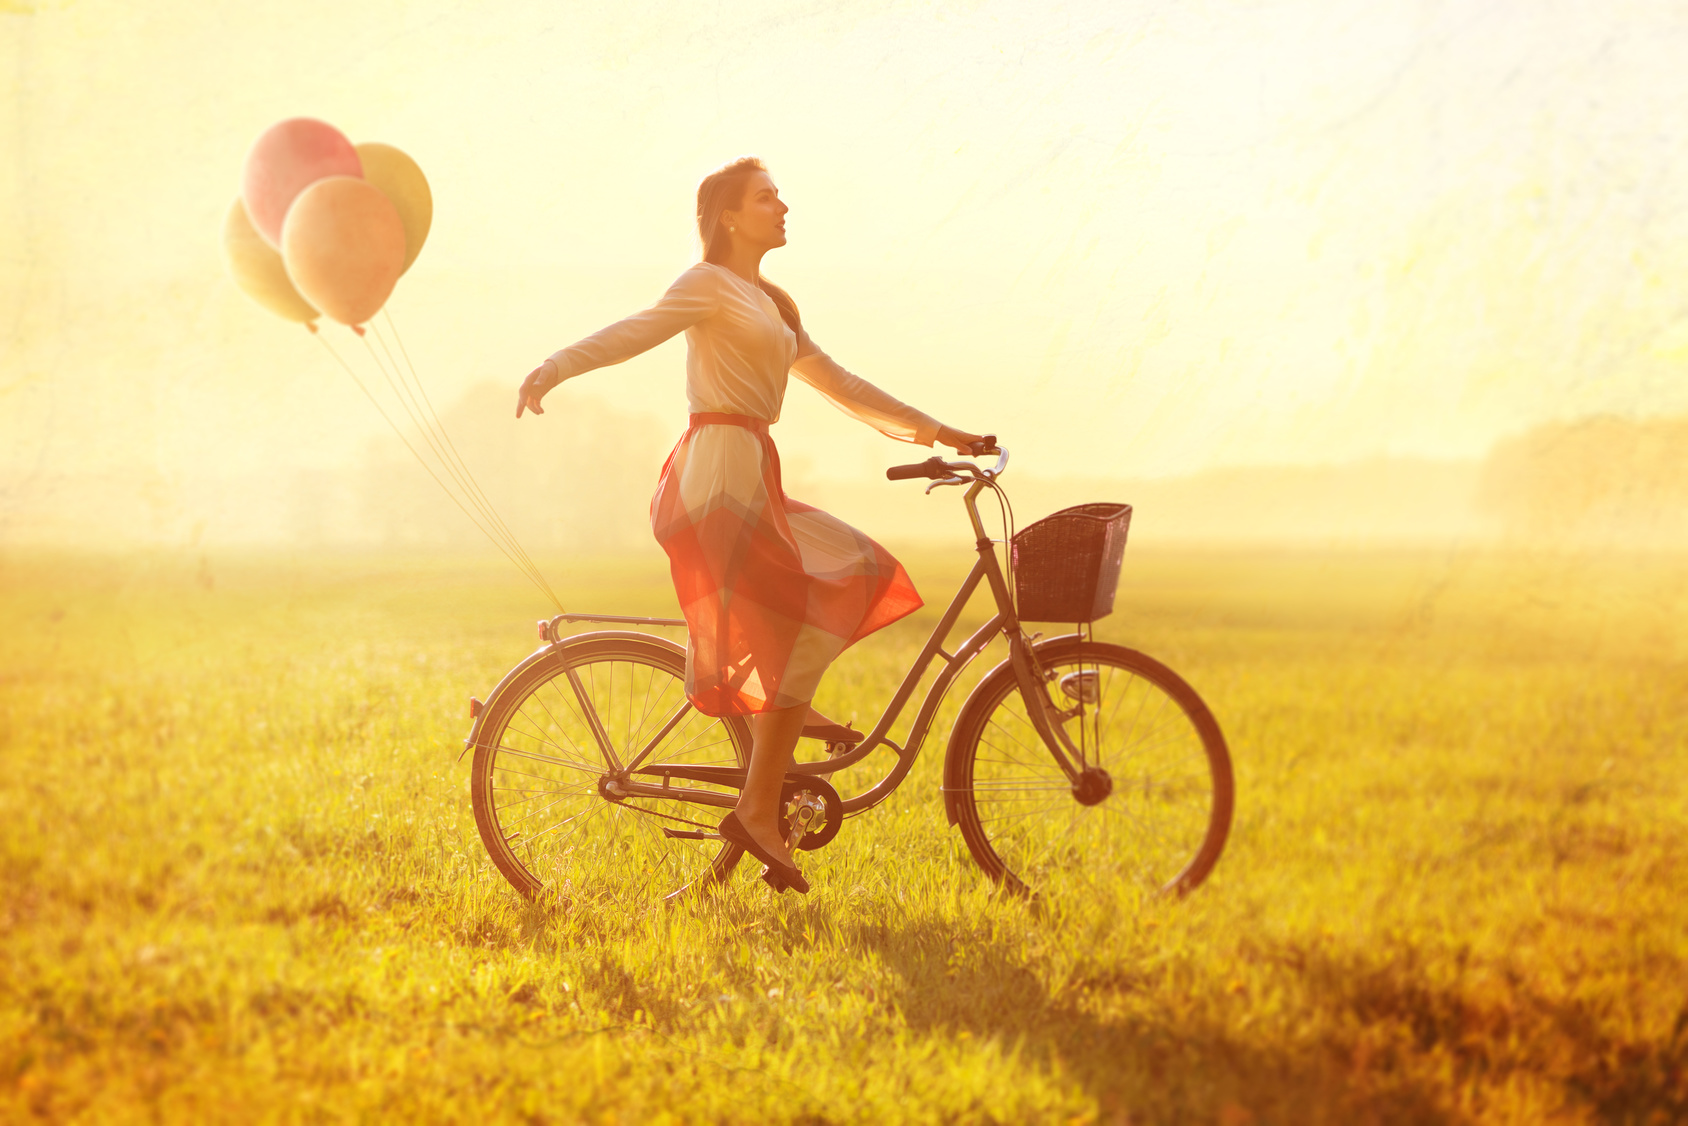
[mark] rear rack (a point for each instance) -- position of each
(548, 628)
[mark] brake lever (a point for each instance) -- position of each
(946, 481)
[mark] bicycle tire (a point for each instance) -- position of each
(1163, 821)
(535, 783)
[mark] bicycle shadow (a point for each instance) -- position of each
(1390, 1041)
(1147, 1060)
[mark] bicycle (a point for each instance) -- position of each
(1073, 766)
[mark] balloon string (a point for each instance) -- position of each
(532, 575)
(392, 327)
(537, 580)
(432, 439)
(427, 419)
(490, 523)
(439, 443)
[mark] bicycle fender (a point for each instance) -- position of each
(544, 651)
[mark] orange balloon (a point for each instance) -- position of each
(344, 246)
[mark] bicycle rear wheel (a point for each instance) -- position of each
(556, 735)
(1152, 807)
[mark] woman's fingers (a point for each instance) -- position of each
(958, 440)
(531, 391)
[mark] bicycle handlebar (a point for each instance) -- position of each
(954, 472)
(932, 467)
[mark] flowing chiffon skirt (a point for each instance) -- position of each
(773, 589)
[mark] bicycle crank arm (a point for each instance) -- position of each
(813, 810)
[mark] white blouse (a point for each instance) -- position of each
(738, 353)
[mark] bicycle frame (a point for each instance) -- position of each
(1046, 717)
(989, 570)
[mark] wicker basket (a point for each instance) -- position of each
(1066, 566)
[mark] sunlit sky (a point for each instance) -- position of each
(1132, 238)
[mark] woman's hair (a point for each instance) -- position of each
(723, 190)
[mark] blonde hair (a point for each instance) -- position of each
(723, 190)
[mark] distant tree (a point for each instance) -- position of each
(577, 479)
(1593, 480)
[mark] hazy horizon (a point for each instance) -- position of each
(1140, 241)
(577, 481)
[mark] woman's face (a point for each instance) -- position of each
(759, 219)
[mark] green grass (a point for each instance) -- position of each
(240, 880)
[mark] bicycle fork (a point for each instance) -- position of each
(1047, 718)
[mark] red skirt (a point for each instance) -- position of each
(773, 589)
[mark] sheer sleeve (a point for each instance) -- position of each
(692, 297)
(860, 399)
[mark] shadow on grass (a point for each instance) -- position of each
(1375, 1042)
(1380, 1036)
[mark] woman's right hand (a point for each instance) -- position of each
(540, 380)
(958, 440)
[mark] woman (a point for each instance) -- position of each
(772, 589)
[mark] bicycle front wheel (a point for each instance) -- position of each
(550, 748)
(1151, 807)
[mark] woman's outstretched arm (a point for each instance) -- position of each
(689, 300)
(861, 400)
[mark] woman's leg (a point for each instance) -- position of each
(774, 738)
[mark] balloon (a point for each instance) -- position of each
(259, 271)
(344, 247)
(287, 159)
(402, 182)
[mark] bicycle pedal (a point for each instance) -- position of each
(689, 834)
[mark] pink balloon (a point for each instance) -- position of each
(290, 157)
(344, 247)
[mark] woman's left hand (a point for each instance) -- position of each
(540, 380)
(959, 440)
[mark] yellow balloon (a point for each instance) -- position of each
(402, 182)
(259, 270)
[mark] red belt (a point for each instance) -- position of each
(758, 426)
(716, 418)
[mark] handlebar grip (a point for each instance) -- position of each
(985, 445)
(931, 467)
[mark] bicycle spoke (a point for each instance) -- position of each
(593, 721)
(538, 769)
(673, 721)
(516, 752)
(554, 721)
(645, 715)
(1022, 817)
(532, 795)
(1029, 749)
(577, 820)
(1017, 787)
(538, 732)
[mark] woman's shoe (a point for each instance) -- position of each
(786, 875)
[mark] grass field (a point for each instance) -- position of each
(240, 879)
